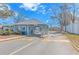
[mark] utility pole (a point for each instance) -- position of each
(74, 16)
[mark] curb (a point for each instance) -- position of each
(11, 39)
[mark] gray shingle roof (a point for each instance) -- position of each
(27, 22)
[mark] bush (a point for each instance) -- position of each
(1, 32)
(6, 32)
(18, 33)
(10, 32)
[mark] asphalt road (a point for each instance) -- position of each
(55, 44)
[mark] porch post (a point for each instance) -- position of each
(27, 29)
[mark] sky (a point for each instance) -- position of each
(39, 11)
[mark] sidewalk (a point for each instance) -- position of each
(9, 37)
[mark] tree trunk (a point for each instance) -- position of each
(62, 29)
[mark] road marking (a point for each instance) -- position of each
(22, 48)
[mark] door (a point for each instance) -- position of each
(23, 30)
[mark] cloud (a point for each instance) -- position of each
(4, 6)
(42, 9)
(47, 21)
(30, 6)
(36, 7)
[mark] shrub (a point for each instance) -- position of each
(10, 32)
(6, 32)
(1, 32)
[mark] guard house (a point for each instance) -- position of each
(31, 27)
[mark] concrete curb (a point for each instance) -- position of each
(8, 39)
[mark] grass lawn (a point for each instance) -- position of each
(72, 36)
(74, 39)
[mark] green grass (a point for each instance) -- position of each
(72, 36)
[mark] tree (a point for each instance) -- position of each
(74, 9)
(59, 15)
(64, 16)
(64, 9)
(5, 11)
